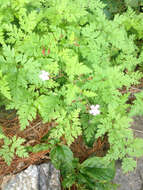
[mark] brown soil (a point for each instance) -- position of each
(33, 134)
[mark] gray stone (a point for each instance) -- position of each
(49, 177)
(132, 180)
(35, 177)
(137, 126)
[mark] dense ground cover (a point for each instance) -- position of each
(72, 65)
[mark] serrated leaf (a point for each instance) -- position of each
(98, 169)
(62, 157)
(11, 147)
(128, 164)
(69, 180)
(71, 93)
(4, 86)
(136, 148)
(26, 113)
(46, 106)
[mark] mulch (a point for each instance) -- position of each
(34, 133)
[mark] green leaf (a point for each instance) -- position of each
(93, 162)
(11, 147)
(128, 164)
(46, 106)
(27, 112)
(136, 148)
(69, 180)
(71, 93)
(85, 179)
(106, 174)
(105, 186)
(2, 136)
(137, 108)
(38, 147)
(98, 169)
(4, 86)
(73, 67)
(62, 157)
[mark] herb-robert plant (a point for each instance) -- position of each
(33, 55)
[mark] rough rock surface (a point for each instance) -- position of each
(35, 177)
(132, 180)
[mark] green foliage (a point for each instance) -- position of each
(11, 147)
(129, 164)
(114, 7)
(4, 88)
(62, 155)
(59, 59)
(92, 173)
(38, 147)
(137, 108)
(68, 126)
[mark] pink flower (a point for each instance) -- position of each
(43, 51)
(44, 75)
(94, 110)
(48, 51)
